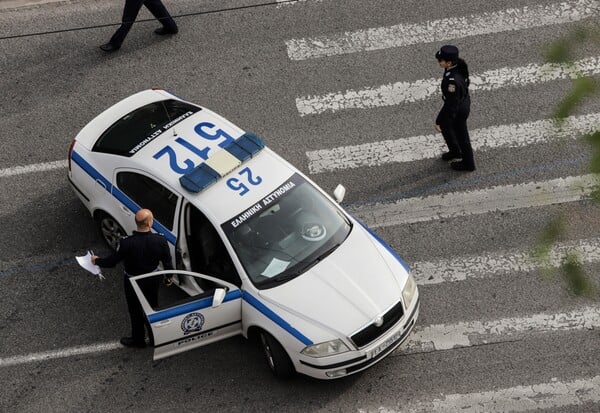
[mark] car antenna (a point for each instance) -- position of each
(169, 117)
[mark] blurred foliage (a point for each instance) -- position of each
(583, 87)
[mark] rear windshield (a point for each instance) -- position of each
(136, 129)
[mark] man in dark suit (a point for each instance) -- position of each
(141, 253)
(130, 12)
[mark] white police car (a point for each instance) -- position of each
(260, 250)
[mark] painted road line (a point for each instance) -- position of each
(422, 340)
(415, 148)
(505, 263)
(62, 353)
(552, 395)
(405, 92)
(483, 201)
(27, 169)
(467, 334)
(285, 3)
(440, 30)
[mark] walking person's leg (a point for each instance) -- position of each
(130, 12)
(158, 10)
(464, 143)
(451, 142)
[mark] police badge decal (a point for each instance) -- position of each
(192, 322)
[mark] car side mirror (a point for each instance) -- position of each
(338, 193)
(218, 297)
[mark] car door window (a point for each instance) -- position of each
(148, 193)
(207, 251)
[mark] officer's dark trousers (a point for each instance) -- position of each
(457, 138)
(130, 12)
(138, 319)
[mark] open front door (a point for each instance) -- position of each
(180, 321)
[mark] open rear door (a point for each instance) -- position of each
(181, 322)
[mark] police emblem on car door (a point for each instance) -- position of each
(182, 320)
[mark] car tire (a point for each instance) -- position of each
(110, 230)
(277, 359)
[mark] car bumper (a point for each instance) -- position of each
(354, 361)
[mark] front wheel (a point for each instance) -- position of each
(110, 230)
(278, 360)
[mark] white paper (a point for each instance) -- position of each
(86, 263)
(275, 267)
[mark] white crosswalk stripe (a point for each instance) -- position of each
(497, 264)
(460, 204)
(441, 30)
(405, 92)
(552, 395)
(472, 333)
(415, 148)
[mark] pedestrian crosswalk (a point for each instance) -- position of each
(384, 148)
(439, 270)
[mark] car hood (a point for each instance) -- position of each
(346, 291)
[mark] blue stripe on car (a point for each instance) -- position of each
(254, 302)
(385, 245)
(120, 196)
(188, 308)
(90, 170)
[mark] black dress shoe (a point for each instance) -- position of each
(448, 156)
(109, 47)
(130, 342)
(163, 31)
(461, 166)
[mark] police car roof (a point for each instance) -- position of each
(200, 140)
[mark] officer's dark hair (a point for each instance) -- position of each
(463, 69)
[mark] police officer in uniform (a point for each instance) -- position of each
(452, 119)
(140, 252)
(130, 12)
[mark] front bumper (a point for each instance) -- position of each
(355, 361)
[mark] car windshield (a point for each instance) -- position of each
(287, 232)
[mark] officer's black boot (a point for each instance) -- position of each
(462, 166)
(448, 156)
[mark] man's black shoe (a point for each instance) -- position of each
(109, 47)
(163, 31)
(130, 342)
(461, 166)
(448, 156)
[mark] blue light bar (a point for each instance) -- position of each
(245, 146)
(203, 176)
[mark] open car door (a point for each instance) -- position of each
(181, 322)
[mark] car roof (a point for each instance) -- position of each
(240, 181)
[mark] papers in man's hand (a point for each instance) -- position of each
(86, 262)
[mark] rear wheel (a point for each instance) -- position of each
(278, 360)
(110, 230)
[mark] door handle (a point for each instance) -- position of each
(163, 323)
(125, 210)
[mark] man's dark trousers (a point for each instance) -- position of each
(130, 12)
(138, 319)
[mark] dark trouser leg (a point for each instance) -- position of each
(464, 142)
(450, 138)
(158, 10)
(130, 12)
(135, 313)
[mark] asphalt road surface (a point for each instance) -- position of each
(346, 90)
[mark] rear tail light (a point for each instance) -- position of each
(71, 151)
